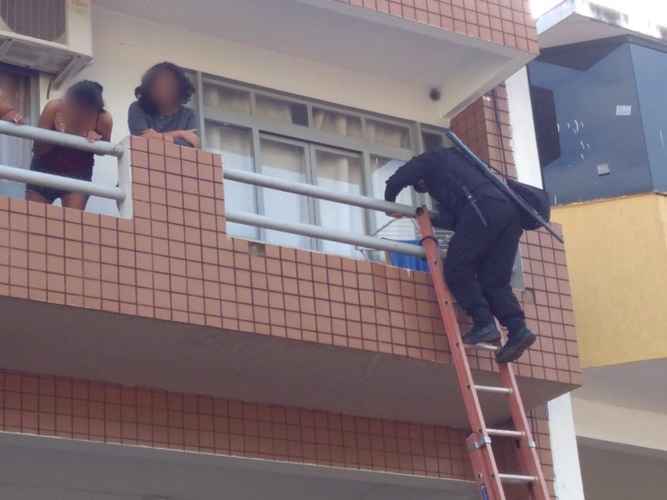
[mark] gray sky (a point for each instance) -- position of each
(656, 10)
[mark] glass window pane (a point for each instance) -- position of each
(280, 110)
(341, 173)
(219, 98)
(287, 161)
(14, 152)
(388, 134)
(399, 229)
(337, 123)
(235, 146)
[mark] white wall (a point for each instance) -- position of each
(561, 420)
(629, 426)
(564, 450)
(524, 139)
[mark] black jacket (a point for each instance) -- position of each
(449, 177)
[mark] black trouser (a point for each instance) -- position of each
(479, 262)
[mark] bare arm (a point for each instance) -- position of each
(189, 136)
(48, 120)
(103, 130)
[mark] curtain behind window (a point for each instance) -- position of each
(15, 152)
(401, 229)
(341, 173)
(234, 144)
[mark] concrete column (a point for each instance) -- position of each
(524, 140)
(569, 485)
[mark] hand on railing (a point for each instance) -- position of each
(93, 136)
(14, 117)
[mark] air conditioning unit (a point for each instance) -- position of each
(50, 36)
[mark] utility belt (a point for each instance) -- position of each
(472, 201)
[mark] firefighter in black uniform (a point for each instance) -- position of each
(481, 254)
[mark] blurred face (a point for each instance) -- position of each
(164, 91)
(78, 111)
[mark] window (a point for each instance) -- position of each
(309, 142)
(16, 87)
(388, 134)
(338, 123)
(236, 144)
(280, 110)
(219, 98)
(286, 160)
(342, 172)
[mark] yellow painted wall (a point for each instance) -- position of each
(617, 258)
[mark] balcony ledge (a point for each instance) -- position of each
(95, 345)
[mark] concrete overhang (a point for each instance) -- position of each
(41, 467)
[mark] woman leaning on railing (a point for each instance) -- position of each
(81, 112)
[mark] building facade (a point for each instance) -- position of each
(172, 354)
(599, 101)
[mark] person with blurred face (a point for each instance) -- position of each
(81, 112)
(159, 111)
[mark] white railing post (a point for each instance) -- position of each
(125, 206)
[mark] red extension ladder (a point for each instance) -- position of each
(479, 442)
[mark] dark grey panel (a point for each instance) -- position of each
(651, 74)
(590, 131)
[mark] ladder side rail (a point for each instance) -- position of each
(527, 451)
(459, 357)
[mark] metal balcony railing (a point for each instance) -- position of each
(359, 240)
(123, 197)
(122, 194)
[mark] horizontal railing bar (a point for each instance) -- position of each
(318, 192)
(60, 139)
(59, 182)
(325, 233)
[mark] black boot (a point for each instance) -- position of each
(516, 346)
(479, 333)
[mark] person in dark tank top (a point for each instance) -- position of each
(159, 111)
(81, 112)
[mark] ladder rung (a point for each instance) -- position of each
(489, 388)
(482, 347)
(505, 433)
(516, 478)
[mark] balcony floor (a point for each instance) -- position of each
(66, 341)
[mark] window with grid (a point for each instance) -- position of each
(310, 142)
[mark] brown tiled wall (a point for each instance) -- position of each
(505, 22)
(85, 410)
(174, 262)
